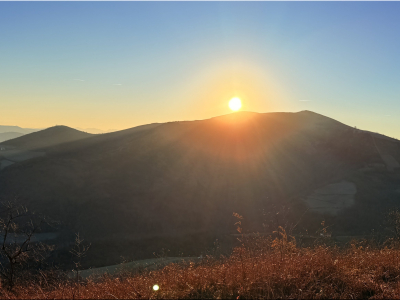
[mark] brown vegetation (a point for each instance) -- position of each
(260, 268)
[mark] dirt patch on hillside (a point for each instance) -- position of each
(391, 162)
(333, 197)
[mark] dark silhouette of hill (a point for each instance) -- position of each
(165, 181)
(47, 138)
(4, 136)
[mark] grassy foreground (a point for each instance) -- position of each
(261, 268)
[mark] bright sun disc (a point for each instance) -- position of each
(156, 287)
(235, 104)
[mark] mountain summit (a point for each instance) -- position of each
(178, 178)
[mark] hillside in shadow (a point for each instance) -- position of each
(165, 181)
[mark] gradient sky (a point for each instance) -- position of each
(114, 65)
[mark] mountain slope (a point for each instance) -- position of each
(179, 178)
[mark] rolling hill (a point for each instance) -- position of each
(155, 184)
(46, 138)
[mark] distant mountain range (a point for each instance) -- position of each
(11, 132)
(142, 187)
(4, 129)
(4, 136)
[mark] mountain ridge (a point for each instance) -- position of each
(188, 177)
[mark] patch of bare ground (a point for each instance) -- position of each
(333, 197)
(391, 162)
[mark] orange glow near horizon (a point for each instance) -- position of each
(202, 95)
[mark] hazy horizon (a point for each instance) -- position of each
(121, 64)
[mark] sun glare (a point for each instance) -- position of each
(235, 104)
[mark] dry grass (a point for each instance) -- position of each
(261, 268)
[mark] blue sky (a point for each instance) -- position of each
(121, 64)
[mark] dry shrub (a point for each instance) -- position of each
(260, 268)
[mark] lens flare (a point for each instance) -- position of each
(235, 104)
(156, 287)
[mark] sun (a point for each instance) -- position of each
(235, 104)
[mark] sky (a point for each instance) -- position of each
(115, 65)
